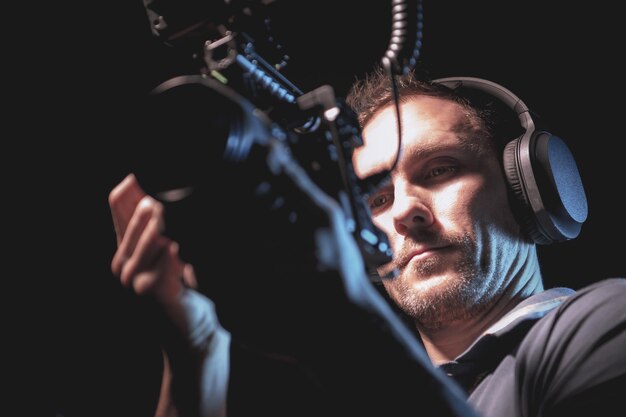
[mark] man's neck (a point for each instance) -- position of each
(448, 342)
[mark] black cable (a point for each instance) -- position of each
(399, 59)
(396, 102)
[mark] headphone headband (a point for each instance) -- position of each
(495, 90)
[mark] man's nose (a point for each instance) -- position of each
(410, 210)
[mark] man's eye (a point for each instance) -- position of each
(378, 201)
(435, 172)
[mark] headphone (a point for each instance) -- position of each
(548, 195)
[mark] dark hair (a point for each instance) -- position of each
(486, 117)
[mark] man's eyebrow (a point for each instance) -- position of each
(424, 151)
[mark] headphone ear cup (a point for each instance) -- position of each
(549, 199)
(521, 204)
(547, 196)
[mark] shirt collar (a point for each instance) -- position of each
(534, 307)
(499, 339)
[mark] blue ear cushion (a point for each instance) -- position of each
(561, 188)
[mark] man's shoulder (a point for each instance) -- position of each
(605, 298)
(589, 324)
(575, 354)
(594, 308)
(617, 284)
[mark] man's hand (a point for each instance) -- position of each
(145, 259)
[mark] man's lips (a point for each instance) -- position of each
(418, 253)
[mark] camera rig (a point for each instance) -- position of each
(306, 136)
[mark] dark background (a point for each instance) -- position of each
(91, 67)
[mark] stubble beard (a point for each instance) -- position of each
(433, 302)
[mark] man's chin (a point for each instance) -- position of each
(424, 283)
(425, 276)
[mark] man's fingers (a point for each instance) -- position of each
(123, 200)
(146, 210)
(162, 279)
(150, 246)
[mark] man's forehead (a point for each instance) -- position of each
(424, 118)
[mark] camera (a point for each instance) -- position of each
(247, 132)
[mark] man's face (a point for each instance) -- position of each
(445, 211)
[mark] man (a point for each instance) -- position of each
(468, 275)
(462, 258)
